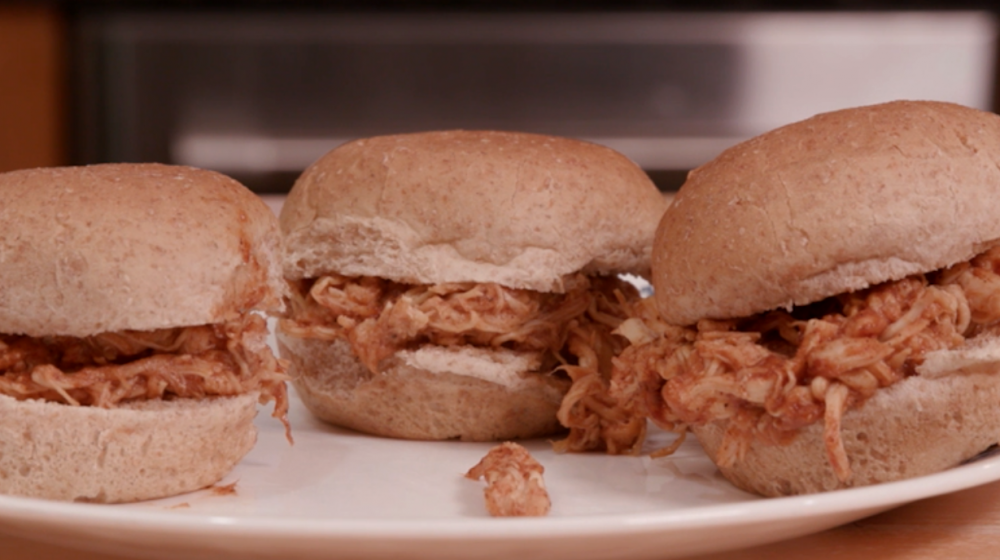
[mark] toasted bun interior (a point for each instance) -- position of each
(517, 209)
(428, 393)
(132, 246)
(831, 204)
(140, 451)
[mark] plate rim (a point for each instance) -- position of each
(878, 497)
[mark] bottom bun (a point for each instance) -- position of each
(916, 427)
(140, 451)
(432, 393)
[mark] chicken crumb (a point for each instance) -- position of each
(514, 484)
(224, 489)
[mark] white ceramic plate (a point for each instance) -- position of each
(340, 494)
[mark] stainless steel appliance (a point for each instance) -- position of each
(260, 95)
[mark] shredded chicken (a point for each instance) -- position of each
(602, 415)
(573, 329)
(380, 317)
(107, 369)
(224, 489)
(514, 483)
(772, 374)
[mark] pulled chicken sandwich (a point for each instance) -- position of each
(826, 302)
(441, 282)
(132, 351)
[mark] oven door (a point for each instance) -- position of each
(260, 95)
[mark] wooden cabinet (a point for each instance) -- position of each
(33, 113)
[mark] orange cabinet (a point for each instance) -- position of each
(33, 123)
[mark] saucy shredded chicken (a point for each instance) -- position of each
(772, 374)
(600, 416)
(572, 329)
(107, 369)
(514, 483)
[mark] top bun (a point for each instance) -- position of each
(832, 204)
(521, 210)
(101, 248)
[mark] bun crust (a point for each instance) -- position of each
(141, 451)
(835, 203)
(916, 427)
(521, 210)
(112, 247)
(425, 394)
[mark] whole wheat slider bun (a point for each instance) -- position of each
(111, 247)
(913, 428)
(103, 248)
(833, 204)
(427, 393)
(143, 450)
(520, 210)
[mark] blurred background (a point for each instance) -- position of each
(259, 90)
